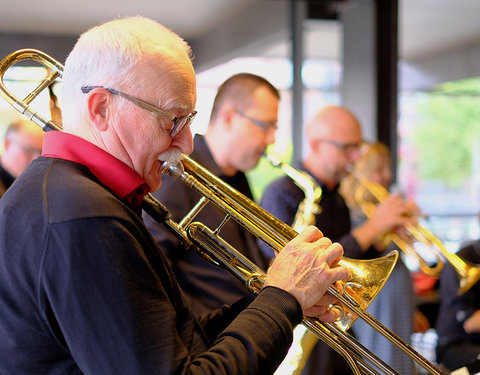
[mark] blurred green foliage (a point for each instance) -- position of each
(265, 173)
(447, 130)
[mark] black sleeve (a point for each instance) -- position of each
(217, 320)
(257, 331)
(282, 198)
(351, 247)
(112, 303)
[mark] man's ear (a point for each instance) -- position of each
(97, 105)
(6, 143)
(226, 115)
(314, 144)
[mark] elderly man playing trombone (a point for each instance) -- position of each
(84, 288)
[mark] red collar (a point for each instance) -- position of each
(119, 177)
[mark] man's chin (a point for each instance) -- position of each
(154, 186)
(154, 180)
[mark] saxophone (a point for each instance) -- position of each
(310, 206)
(303, 340)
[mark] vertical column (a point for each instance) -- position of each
(387, 76)
(359, 85)
(298, 14)
(370, 55)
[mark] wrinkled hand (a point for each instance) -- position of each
(305, 268)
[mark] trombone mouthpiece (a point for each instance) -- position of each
(173, 169)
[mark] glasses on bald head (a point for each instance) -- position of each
(347, 147)
(179, 122)
(264, 125)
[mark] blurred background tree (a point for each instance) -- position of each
(448, 132)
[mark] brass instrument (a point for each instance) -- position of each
(55, 112)
(468, 273)
(309, 207)
(353, 296)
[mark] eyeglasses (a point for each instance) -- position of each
(347, 147)
(179, 122)
(265, 126)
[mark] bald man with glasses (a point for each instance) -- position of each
(242, 124)
(335, 140)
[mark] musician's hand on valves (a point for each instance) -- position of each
(393, 213)
(412, 209)
(305, 268)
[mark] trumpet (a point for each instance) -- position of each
(353, 296)
(468, 273)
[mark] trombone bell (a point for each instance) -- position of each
(368, 278)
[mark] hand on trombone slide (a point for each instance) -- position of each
(305, 268)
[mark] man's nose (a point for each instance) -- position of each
(270, 135)
(184, 140)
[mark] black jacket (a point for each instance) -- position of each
(84, 289)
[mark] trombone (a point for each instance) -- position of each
(353, 296)
(468, 273)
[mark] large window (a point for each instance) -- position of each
(439, 157)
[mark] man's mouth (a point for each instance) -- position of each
(173, 156)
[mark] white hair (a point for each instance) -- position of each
(106, 55)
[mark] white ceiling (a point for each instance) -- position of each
(189, 18)
(430, 26)
(426, 26)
